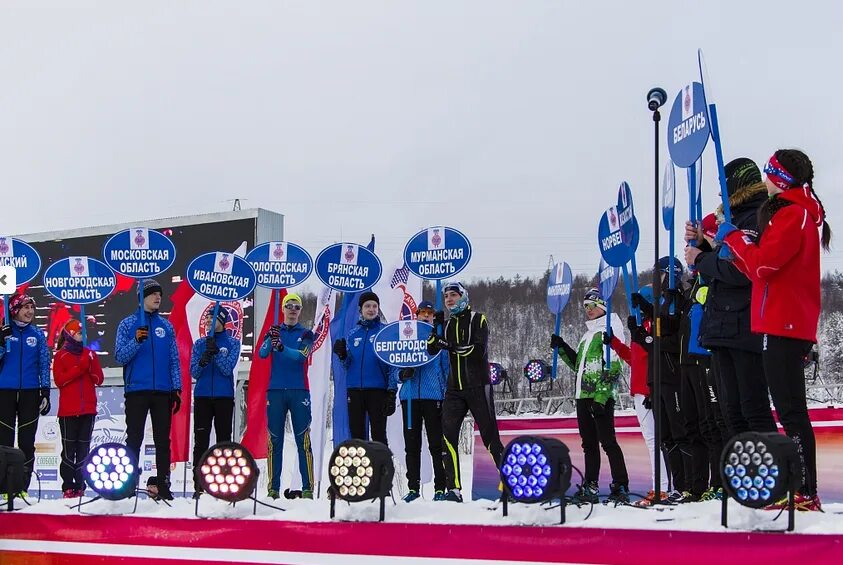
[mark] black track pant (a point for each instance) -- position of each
(363, 402)
(481, 403)
(429, 412)
(20, 406)
(743, 392)
(157, 405)
(693, 398)
(208, 411)
(713, 426)
(75, 443)
(678, 454)
(783, 359)
(598, 430)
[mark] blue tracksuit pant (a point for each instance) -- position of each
(297, 403)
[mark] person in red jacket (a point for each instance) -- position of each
(784, 267)
(76, 370)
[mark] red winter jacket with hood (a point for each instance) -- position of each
(784, 267)
(76, 376)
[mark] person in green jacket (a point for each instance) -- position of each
(595, 397)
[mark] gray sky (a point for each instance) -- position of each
(513, 121)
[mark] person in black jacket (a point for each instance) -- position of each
(725, 326)
(466, 337)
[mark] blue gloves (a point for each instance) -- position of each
(724, 230)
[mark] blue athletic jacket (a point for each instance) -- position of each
(154, 364)
(363, 368)
(428, 382)
(216, 379)
(25, 360)
(289, 367)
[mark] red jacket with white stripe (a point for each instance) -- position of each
(636, 357)
(784, 267)
(76, 376)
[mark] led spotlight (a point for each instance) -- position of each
(536, 370)
(228, 471)
(495, 373)
(535, 469)
(360, 470)
(759, 469)
(111, 476)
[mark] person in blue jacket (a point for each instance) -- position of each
(367, 377)
(288, 391)
(212, 362)
(24, 381)
(149, 355)
(421, 395)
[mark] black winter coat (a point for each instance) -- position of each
(726, 318)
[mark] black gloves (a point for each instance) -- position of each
(556, 342)
(341, 349)
(389, 403)
(406, 374)
(274, 334)
(175, 401)
(439, 319)
(632, 323)
(437, 343)
(648, 404)
(5, 332)
(607, 337)
(211, 345)
(45, 401)
(141, 334)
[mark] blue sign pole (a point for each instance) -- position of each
(558, 293)
(715, 134)
(438, 301)
(84, 324)
(557, 327)
(275, 313)
(608, 329)
(607, 277)
(627, 284)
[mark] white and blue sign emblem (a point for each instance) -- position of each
(559, 287)
(348, 267)
(79, 280)
(280, 264)
(437, 253)
(139, 253)
(403, 343)
(688, 127)
(607, 277)
(20, 255)
(221, 276)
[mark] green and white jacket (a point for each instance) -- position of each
(588, 361)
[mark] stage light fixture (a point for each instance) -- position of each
(536, 370)
(111, 470)
(360, 470)
(11, 474)
(228, 471)
(758, 469)
(535, 469)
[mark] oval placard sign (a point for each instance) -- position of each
(79, 280)
(403, 343)
(668, 195)
(688, 129)
(139, 253)
(613, 249)
(608, 276)
(348, 267)
(222, 276)
(559, 287)
(280, 264)
(20, 255)
(437, 253)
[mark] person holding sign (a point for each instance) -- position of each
(288, 391)
(725, 328)
(784, 266)
(595, 393)
(212, 362)
(421, 395)
(77, 372)
(24, 380)
(150, 357)
(466, 337)
(367, 377)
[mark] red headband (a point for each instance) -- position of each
(778, 175)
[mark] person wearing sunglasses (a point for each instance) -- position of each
(212, 362)
(595, 399)
(289, 391)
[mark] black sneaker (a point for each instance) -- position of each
(164, 492)
(619, 494)
(453, 496)
(587, 493)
